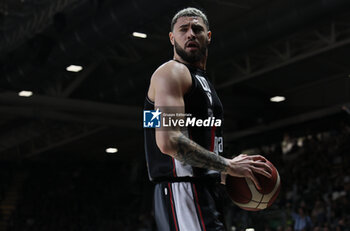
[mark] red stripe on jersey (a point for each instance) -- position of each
(212, 138)
(198, 207)
(172, 207)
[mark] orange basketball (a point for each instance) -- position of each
(243, 192)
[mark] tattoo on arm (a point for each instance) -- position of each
(193, 154)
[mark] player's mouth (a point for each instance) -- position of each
(192, 46)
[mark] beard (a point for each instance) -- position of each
(192, 56)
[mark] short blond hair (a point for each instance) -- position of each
(189, 12)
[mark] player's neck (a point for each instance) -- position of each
(201, 64)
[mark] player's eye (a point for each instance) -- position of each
(197, 29)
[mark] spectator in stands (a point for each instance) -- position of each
(302, 222)
(318, 213)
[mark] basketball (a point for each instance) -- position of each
(243, 192)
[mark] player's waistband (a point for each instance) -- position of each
(208, 179)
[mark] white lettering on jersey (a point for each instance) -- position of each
(218, 148)
(205, 87)
(218, 145)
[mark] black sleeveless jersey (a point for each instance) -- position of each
(202, 102)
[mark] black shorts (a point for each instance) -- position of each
(188, 206)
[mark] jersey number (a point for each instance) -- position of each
(218, 145)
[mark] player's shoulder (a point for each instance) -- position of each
(172, 71)
(170, 76)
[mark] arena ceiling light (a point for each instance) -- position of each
(277, 99)
(25, 93)
(112, 150)
(139, 35)
(74, 68)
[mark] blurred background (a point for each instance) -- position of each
(74, 75)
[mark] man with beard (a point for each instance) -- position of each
(186, 162)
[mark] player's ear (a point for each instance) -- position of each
(171, 37)
(209, 36)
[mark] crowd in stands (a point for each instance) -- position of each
(5, 180)
(89, 196)
(115, 195)
(315, 194)
(317, 176)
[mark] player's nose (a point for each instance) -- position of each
(190, 34)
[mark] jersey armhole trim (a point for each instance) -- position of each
(149, 100)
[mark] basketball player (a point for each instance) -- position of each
(186, 164)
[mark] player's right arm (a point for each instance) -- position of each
(168, 86)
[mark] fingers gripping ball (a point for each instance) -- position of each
(243, 192)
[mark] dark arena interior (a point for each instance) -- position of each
(72, 146)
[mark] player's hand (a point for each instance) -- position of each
(245, 166)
